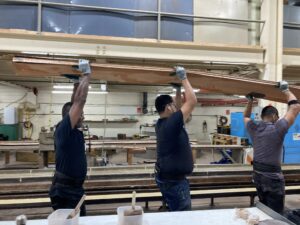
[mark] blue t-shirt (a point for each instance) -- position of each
(70, 150)
(174, 154)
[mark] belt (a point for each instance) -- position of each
(261, 167)
(170, 177)
(61, 178)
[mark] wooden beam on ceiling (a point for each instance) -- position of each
(130, 74)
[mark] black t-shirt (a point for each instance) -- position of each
(70, 150)
(174, 155)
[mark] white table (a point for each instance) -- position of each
(201, 217)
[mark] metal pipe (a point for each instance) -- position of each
(39, 17)
(158, 20)
(288, 24)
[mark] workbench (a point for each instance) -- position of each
(131, 147)
(199, 217)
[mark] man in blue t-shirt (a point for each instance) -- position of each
(174, 155)
(268, 136)
(71, 166)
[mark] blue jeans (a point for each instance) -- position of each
(176, 193)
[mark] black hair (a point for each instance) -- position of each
(66, 108)
(161, 102)
(269, 111)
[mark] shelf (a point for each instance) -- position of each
(111, 121)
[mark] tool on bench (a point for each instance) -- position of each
(133, 211)
(77, 208)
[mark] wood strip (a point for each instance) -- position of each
(233, 85)
(19, 143)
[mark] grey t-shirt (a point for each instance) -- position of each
(267, 141)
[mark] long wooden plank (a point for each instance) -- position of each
(126, 74)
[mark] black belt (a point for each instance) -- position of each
(60, 178)
(170, 176)
(261, 167)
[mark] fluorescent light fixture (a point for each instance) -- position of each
(98, 92)
(70, 92)
(65, 87)
(182, 90)
(61, 92)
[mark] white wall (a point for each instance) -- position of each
(119, 105)
(223, 33)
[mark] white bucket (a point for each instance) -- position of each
(59, 217)
(129, 220)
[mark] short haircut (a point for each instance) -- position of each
(66, 108)
(269, 111)
(161, 102)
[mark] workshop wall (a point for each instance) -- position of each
(118, 105)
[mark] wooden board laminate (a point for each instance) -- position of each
(129, 74)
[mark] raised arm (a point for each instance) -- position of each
(81, 93)
(190, 97)
(293, 104)
(248, 109)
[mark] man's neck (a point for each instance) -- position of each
(164, 115)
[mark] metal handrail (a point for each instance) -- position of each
(291, 24)
(157, 13)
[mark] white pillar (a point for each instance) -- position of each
(271, 40)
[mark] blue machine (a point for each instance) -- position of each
(292, 143)
(237, 127)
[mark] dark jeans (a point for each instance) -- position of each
(65, 192)
(175, 193)
(65, 203)
(271, 192)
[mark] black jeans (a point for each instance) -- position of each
(65, 192)
(66, 203)
(271, 192)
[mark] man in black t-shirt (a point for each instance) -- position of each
(174, 155)
(71, 166)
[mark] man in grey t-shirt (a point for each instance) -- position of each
(267, 137)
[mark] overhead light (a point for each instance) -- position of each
(70, 92)
(172, 95)
(239, 96)
(98, 92)
(182, 90)
(62, 92)
(65, 87)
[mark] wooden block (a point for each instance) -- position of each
(27, 157)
